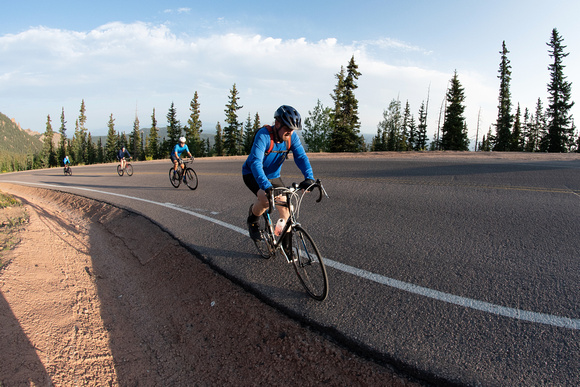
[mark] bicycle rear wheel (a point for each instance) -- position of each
(175, 180)
(263, 245)
(120, 170)
(308, 264)
(129, 169)
(190, 178)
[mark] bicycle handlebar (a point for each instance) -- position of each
(293, 188)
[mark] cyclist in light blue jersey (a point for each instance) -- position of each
(177, 151)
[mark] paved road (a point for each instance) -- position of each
(457, 269)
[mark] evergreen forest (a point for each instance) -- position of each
(546, 127)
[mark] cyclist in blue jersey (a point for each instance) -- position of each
(121, 156)
(178, 149)
(66, 160)
(261, 170)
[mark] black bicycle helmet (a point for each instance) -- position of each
(289, 117)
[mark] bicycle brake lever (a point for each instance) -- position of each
(321, 190)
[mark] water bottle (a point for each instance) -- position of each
(279, 226)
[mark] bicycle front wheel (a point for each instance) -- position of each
(174, 178)
(120, 170)
(308, 264)
(190, 178)
(129, 169)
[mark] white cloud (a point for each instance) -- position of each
(116, 66)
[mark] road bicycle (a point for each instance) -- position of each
(67, 170)
(185, 174)
(293, 242)
(128, 169)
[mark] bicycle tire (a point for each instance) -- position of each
(120, 170)
(129, 169)
(174, 182)
(263, 245)
(190, 178)
(308, 264)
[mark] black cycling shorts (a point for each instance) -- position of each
(252, 184)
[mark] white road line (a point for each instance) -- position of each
(540, 318)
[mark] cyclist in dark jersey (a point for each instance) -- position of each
(261, 170)
(121, 156)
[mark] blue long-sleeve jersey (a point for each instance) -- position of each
(265, 167)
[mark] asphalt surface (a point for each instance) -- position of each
(457, 270)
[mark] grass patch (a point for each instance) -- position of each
(8, 200)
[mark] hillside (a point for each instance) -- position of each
(14, 140)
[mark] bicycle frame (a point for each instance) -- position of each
(181, 169)
(293, 195)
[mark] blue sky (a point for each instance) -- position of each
(130, 57)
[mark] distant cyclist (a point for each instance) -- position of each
(121, 156)
(177, 151)
(66, 161)
(261, 171)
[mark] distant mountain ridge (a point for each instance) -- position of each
(16, 140)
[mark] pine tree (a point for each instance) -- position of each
(232, 133)
(100, 158)
(504, 141)
(517, 136)
(454, 132)
(76, 145)
(136, 145)
(62, 144)
(173, 130)
(378, 143)
(537, 128)
(193, 129)
(421, 141)
(248, 135)
(344, 136)
(257, 125)
(153, 139)
(486, 142)
(207, 151)
(48, 153)
(560, 132)
(317, 128)
(404, 141)
(112, 141)
(526, 129)
(218, 146)
(91, 151)
(82, 134)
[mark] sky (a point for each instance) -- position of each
(127, 58)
